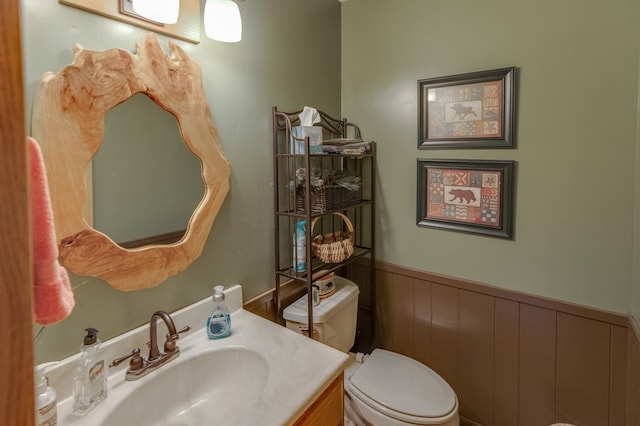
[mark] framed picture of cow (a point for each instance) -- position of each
(474, 110)
(466, 196)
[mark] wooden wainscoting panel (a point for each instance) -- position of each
(384, 293)
(359, 273)
(582, 370)
(633, 373)
(401, 314)
(444, 333)
(263, 305)
(618, 374)
(476, 356)
(516, 296)
(364, 330)
(422, 317)
(537, 366)
(506, 342)
(262, 309)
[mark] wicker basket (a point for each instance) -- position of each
(333, 247)
(327, 198)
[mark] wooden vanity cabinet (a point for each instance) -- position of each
(328, 408)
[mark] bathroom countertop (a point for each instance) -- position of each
(299, 367)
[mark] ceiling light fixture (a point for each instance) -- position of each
(222, 21)
(163, 11)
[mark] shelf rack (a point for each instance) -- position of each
(287, 209)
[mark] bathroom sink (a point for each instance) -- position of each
(211, 387)
(261, 374)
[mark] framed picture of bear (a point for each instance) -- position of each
(474, 110)
(466, 196)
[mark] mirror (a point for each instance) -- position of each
(133, 205)
(68, 121)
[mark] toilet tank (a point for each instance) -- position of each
(334, 319)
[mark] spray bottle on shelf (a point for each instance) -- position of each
(300, 247)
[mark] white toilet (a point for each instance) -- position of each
(385, 388)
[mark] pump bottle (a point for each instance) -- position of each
(219, 322)
(90, 375)
(46, 401)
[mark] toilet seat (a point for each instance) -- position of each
(402, 389)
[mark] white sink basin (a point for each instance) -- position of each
(212, 387)
(262, 374)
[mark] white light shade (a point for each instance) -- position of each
(163, 11)
(222, 21)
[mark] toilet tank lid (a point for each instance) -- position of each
(346, 291)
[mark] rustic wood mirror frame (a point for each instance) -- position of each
(68, 122)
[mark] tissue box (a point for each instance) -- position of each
(314, 133)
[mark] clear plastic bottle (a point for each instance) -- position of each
(219, 322)
(46, 401)
(90, 375)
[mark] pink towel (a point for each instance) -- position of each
(53, 297)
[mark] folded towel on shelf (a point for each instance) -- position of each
(53, 297)
(346, 146)
(341, 141)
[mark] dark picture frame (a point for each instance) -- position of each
(466, 196)
(474, 110)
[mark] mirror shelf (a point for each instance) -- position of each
(68, 122)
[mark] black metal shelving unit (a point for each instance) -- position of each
(288, 208)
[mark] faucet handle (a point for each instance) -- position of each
(170, 343)
(135, 363)
(173, 337)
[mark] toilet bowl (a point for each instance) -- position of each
(392, 389)
(384, 388)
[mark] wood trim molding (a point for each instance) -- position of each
(260, 302)
(16, 280)
(187, 28)
(516, 296)
(633, 372)
(634, 325)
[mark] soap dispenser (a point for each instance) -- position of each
(219, 322)
(46, 400)
(90, 375)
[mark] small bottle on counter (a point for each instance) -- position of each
(219, 322)
(90, 375)
(46, 400)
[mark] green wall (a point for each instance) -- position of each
(289, 57)
(635, 296)
(577, 114)
(576, 133)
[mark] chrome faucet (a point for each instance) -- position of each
(140, 367)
